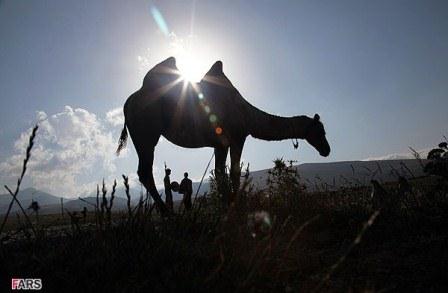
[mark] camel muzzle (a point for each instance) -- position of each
(325, 153)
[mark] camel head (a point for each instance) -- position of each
(315, 136)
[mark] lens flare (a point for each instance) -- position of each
(213, 118)
(188, 51)
(160, 20)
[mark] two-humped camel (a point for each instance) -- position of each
(211, 113)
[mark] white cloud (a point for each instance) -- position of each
(115, 117)
(68, 145)
(401, 156)
(143, 61)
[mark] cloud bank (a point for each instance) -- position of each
(68, 146)
(115, 117)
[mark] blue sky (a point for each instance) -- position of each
(375, 71)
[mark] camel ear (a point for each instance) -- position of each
(216, 69)
(316, 117)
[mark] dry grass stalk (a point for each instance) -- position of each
(19, 181)
(349, 250)
(111, 203)
(128, 195)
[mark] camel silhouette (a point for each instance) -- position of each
(210, 113)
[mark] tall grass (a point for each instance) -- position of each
(19, 181)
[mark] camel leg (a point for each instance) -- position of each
(146, 177)
(235, 168)
(220, 169)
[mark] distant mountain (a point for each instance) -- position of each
(77, 204)
(120, 192)
(26, 196)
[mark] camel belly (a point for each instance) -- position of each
(190, 139)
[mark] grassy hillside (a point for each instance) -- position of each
(282, 239)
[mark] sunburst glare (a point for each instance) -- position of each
(190, 61)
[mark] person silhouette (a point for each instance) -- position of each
(74, 220)
(84, 214)
(168, 193)
(186, 188)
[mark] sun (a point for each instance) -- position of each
(190, 66)
(190, 58)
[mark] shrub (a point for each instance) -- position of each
(438, 161)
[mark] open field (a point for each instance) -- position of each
(224, 146)
(279, 239)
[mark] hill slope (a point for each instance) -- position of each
(314, 175)
(26, 196)
(337, 174)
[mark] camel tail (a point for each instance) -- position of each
(122, 140)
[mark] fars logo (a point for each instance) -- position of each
(26, 284)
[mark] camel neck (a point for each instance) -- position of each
(266, 126)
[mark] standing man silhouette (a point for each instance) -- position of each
(186, 188)
(168, 194)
